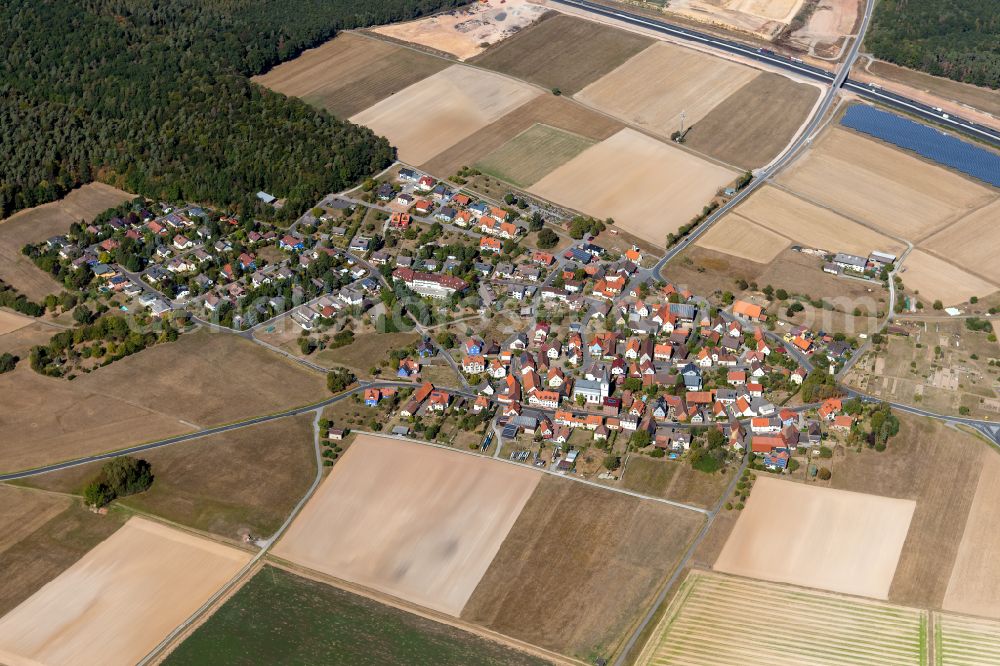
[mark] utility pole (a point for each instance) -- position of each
(682, 122)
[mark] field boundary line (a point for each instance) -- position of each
(250, 566)
(386, 599)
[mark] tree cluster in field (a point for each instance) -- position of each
(106, 340)
(8, 362)
(882, 424)
(119, 477)
(338, 380)
(581, 226)
(13, 299)
(959, 40)
(154, 98)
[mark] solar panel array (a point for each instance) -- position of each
(925, 141)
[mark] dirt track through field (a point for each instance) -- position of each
(120, 600)
(438, 112)
(654, 87)
(416, 522)
(648, 187)
(818, 537)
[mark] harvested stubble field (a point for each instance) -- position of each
(532, 154)
(120, 600)
(464, 32)
(431, 116)
(938, 468)
(563, 52)
(41, 222)
(868, 180)
(20, 340)
(278, 617)
(12, 321)
(813, 226)
(971, 242)
(580, 567)
(966, 641)
(932, 278)
(230, 484)
(648, 187)
(719, 621)
(751, 126)
(413, 521)
(654, 87)
(549, 110)
(828, 539)
(201, 380)
(738, 236)
(350, 73)
(44, 535)
(974, 586)
(674, 480)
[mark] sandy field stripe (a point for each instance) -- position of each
(120, 599)
(432, 115)
(971, 242)
(936, 279)
(737, 236)
(413, 521)
(828, 539)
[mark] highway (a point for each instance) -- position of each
(797, 66)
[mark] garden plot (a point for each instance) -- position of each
(119, 601)
(827, 539)
(416, 522)
(653, 88)
(716, 620)
(648, 187)
(430, 116)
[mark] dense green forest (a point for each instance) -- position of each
(153, 96)
(959, 39)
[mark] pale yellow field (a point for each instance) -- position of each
(430, 116)
(778, 10)
(655, 86)
(818, 537)
(972, 241)
(870, 181)
(119, 601)
(813, 226)
(649, 187)
(764, 18)
(12, 321)
(737, 236)
(466, 31)
(936, 279)
(414, 521)
(974, 586)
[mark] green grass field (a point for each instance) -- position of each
(279, 617)
(962, 639)
(532, 154)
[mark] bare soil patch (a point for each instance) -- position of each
(738, 236)
(41, 222)
(203, 379)
(350, 72)
(230, 484)
(971, 242)
(813, 226)
(430, 116)
(563, 52)
(751, 126)
(416, 522)
(974, 586)
(936, 466)
(550, 110)
(828, 24)
(580, 567)
(978, 97)
(935, 279)
(889, 188)
(760, 19)
(120, 600)
(827, 539)
(466, 31)
(654, 87)
(647, 186)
